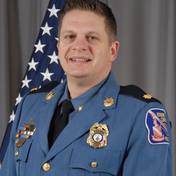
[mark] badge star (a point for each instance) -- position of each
(54, 58)
(12, 117)
(47, 75)
(18, 99)
(46, 29)
(32, 64)
(26, 82)
(53, 11)
(39, 47)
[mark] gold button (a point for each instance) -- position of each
(46, 167)
(94, 164)
(16, 153)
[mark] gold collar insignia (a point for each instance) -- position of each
(50, 95)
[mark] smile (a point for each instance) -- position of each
(81, 60)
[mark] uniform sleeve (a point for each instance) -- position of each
(149, 150)
(8, 167)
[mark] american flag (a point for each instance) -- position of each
(44, 65)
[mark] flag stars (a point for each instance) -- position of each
(18, 99)
(46, 29)
(26, 82)
(47, 75)
(54, 58)
(32, 64)
(39, 47)
(12, 117)
(53, 11)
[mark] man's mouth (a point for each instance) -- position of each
(81, 60)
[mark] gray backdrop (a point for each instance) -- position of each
(146, 31)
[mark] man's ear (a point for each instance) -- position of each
(114, 50)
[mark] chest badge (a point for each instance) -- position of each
(98, 135)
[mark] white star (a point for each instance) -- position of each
(46, 29)
(26, 82)
(12, 117)
(53, 11)
(18, 99)
(47, 75)
(39, 47)
(57, 38)
(32, 64)
(54, 58)
(62, 80)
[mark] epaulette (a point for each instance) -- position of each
(137, 93)
(46, 88)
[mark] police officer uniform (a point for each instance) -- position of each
(111, 133)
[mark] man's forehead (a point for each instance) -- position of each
(87, 19)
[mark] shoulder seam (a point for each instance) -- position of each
(46, 88)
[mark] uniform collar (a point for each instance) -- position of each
(83, 98)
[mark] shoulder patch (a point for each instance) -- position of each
(46, 87)
(156, 125)
(137, 93)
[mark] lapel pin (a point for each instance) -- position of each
(31, 120)
(50, 95)
(108, 102)
(80, 108)
(98, 135)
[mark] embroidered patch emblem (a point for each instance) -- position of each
(156, 125)
(98, 135)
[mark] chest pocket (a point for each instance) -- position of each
(95, 162)
(22, 156)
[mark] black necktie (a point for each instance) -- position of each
(59, 122)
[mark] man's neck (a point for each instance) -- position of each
(76, 88)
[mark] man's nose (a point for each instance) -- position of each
(80, 44)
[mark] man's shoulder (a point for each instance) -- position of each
(137, 93)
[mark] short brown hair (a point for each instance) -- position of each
(98, 8)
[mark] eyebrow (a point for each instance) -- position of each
(68, 31)
(88, 33)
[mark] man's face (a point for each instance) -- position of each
(84, 50)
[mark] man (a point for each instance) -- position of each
(110, 130)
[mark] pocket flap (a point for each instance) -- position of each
(106, 161)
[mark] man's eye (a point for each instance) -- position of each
(70, 36)
(92, 38)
